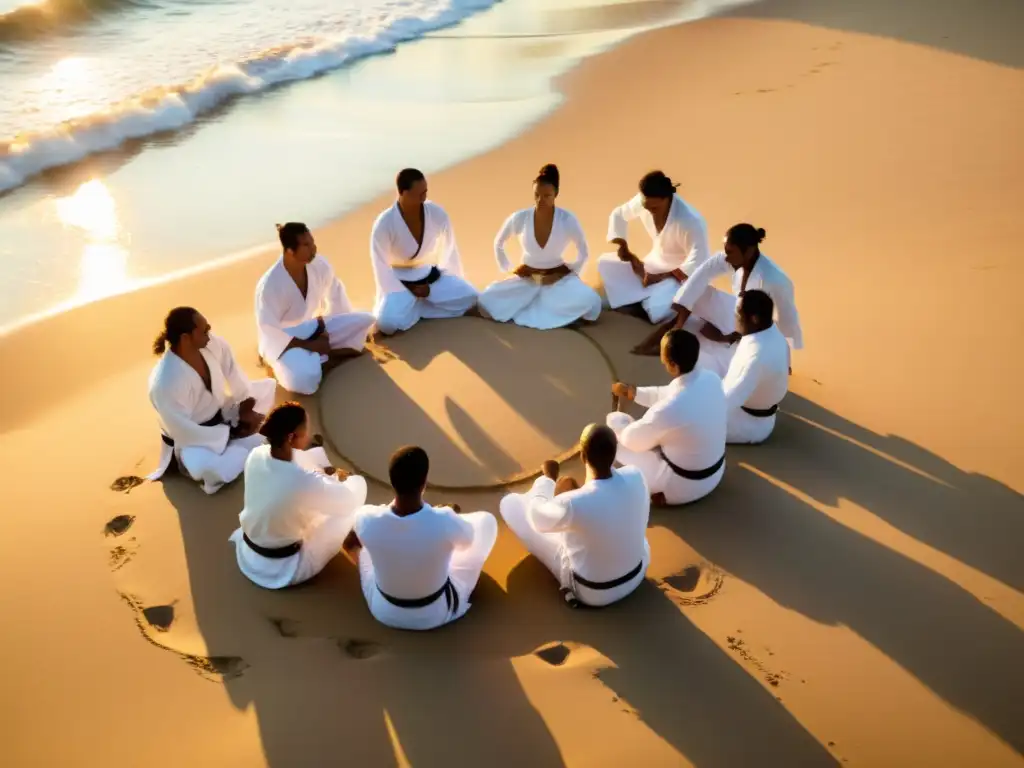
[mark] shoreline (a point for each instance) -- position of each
(105, 225)
(861, 594)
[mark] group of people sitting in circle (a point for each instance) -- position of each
(728, 356)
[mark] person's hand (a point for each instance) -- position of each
(523, 271)
(321, 326)
(550, 469)
(566, 484)
(420, 291)
(244, 429)
(733, 337)
(627, 391)
(624, 253)
(245, 407)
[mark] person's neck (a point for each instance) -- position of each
(598, 474)
(282, 453)
(409, 208)
(404, 506)
(187, 353)
(749, 265)
(544, 210)
(294, 267)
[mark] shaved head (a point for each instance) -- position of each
(598, 445)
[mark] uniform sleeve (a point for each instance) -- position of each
(694, 287)
(740, 380)
(697, 235)
(450, 260)
(618, 222)
(274, 338)
(546, 512)
(645, 433)
(648, 396)
(462, 530)
(789, 318)
(186, 433)
(380, 245)
(575, 234)
(511, 227)
(238, 383)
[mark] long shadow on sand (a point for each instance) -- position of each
(328, 683)
(957, 646)
(983, 29)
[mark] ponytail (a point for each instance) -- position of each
(179, 322)
(160, 343)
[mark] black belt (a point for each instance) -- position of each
(761, 413)
(690, 474)
(274, 553)
(432, 277)
(215, 421)
(451, 597)
(608, 584)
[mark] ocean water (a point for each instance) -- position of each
(140, 138)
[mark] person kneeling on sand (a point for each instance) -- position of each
(419, 564)
(209, 410)
(679, 444)
(296, 517)
(593, 537)
(303, 315)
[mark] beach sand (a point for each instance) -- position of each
(852, 593)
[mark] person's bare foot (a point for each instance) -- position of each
(658, 500)
(644, 350)
(566, 484)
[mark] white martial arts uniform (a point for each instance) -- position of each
(681, 244)
(185, 407)
(283, 315)
(687, 420)
(766, 276)
(757, 380)
(288, 502)
(397, 257)
(597, 532)
(432, 552)
(524, 300)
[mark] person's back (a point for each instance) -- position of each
(412, 554)
(607, 525)
(419, 564)
(696, 421)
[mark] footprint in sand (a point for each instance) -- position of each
(118, 525)
(285, 627)
(360, 649)
(694, 585)
(213, 668)
(126, 484)
(554, 654)
(160, 617)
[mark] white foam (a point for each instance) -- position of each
(170, 108)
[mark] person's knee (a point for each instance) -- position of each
(303, 378)
(510, 508)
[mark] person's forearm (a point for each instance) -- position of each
(682, 315)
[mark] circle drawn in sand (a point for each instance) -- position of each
(489, 402)
(694, 585)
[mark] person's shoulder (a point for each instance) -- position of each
(370, 513)
(564, 215)
(269, 274)
(634, 480)
(385, 215)
(430, 208)
(218, 345)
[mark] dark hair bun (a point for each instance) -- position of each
(760, 234)
(549, 174)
